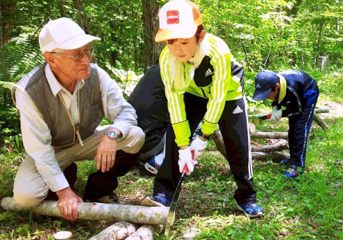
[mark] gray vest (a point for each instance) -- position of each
(55, 114)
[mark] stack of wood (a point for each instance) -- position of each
(278, 141)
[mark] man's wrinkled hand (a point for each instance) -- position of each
(68, 203)
(106, 153)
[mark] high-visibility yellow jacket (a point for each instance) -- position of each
(215, 70)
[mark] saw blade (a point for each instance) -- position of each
(171, 213)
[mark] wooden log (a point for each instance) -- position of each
(275, 156)
(117, 231)
(278, 146)
(99, 211)
(145, 232)
(272, 135)
(319, 121)
(321, 110)
(218, 140)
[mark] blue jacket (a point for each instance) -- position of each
(302, 91)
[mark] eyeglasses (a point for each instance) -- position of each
(79, 56)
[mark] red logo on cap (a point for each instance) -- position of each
(172, 17)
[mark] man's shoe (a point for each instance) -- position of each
(159, 200)
(251, 209)
(151, 166)
(112, 198)
(293, 171)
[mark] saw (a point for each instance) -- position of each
(172, 208)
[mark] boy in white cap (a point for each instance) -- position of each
(202, 83)
(294, 94)
(62, 103)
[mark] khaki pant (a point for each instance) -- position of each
(30, 188)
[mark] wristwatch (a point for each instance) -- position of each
(112, 134)
(200, 133)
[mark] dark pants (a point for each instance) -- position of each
(299, 128)
(100, 184)
(234, 129)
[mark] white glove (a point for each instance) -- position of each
(276, 114)
(198, 146)
(185, 157)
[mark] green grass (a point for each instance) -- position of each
(309, 207)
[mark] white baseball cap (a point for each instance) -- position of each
(178, 19)
(63, 33)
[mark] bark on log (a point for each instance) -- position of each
(273, 135)
(279, 146)
(218, 140)
(117, 231)
(275, 156)
(320, 121)
(99, 211)
(321, 110)
(145, 232)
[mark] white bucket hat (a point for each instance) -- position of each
(63, 33)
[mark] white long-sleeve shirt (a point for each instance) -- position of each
(36, 134)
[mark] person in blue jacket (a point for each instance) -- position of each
(294, 94)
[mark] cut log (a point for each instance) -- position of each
(117, 231)
(275, 156)
(252, 128)
(279, 146)
(145, 232)
(319, 121)
(99, 211)
(273, 135)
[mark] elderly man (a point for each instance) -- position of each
(62, 103)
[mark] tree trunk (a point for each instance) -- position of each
(117, 231)
(7, 16)
(150, 27)
(99, 211)
(81, 19)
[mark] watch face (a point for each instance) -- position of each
(112, 134)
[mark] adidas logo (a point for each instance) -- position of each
(258, 85)
(237, 110)
(208, 72)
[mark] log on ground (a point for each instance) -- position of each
(117, 231)
(278, 146)
(275, 156)
(272, 135)
(99, 211)
(145, 232)
(320, 121)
